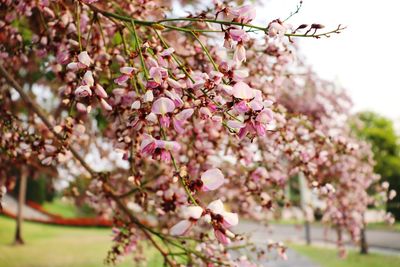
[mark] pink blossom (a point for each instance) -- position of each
(158, 74)
(276, 29)
(212, 179)
(229, 219)
(180, 118)
(242, 91)
(83, 91)
(175, 97)
(239, 35)
(265, 116)
(127, 73)
(163, 106)
(244, 13)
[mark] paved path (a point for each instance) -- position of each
(378, 240)
(260, 235)
(10, 205)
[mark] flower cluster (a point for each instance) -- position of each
(158, 110)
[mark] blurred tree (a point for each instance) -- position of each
(380, 133)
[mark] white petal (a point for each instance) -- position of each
(216, 206)
(193, 212)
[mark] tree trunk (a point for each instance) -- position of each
(363, 239)
(21, 201)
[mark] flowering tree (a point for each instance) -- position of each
(181, 123)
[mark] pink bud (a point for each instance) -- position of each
(81, 107)
(105, 105)
(163, 106)
(88, 78)
(212, 179)
(100, 92)
(239, 55)
(72, 66)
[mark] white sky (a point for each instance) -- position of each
(364, 59)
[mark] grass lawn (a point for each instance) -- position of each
(59, 246)
(327, 257)
(64, 209)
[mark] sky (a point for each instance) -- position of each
(364, 59)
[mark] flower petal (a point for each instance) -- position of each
(193, 212)
(180, 228)
(242, 91)
(212, 179)
(163, 106)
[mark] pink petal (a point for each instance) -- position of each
(168, 145)
(167, 52)
(265, 116)
(84, 58)
(223, 239)
(212, 179)
(242, 91)
(184, 114)
(126, 70)
(163, 106)
(121, 79)
(180, 228)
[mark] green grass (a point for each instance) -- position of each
(327, 257)
(58, 246)
(64, 209)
